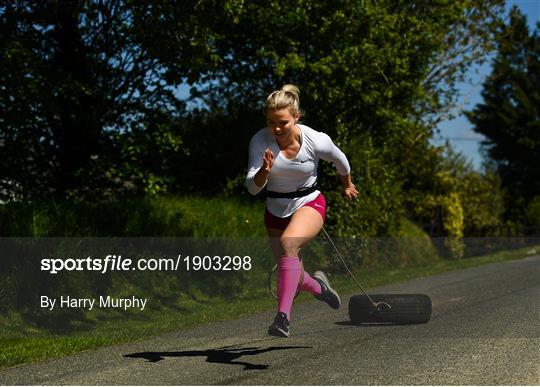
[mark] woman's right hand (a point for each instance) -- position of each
(268, 160)
(262, 173)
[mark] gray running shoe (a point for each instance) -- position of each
(280, 327)
(328, 295)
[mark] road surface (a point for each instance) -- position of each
(484, 329)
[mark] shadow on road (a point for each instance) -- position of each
(224, 355)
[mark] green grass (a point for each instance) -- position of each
(138, 217)
(21, 343)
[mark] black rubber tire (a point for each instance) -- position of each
(405, 309)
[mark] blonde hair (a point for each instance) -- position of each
(287, 97)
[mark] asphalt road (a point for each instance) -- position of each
(485, 329)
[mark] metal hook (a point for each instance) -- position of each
(376, 304)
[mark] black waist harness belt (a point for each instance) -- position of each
(291, 195)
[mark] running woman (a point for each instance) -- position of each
(283, 157)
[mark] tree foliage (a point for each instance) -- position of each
(459, 202)
(89, 103)
(83, 88)
(509, 116)
(371, 75)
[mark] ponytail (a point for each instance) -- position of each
(287, 97)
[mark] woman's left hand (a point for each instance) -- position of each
(350, 191)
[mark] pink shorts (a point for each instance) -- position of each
(272, 221)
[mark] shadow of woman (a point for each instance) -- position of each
(224, 355)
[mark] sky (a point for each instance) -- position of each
(459, 130)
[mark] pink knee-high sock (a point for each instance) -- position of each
(310, 285)
(289, 270)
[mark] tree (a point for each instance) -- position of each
(80, 82)
(479, 193)
(370, 74)
(457, 185)
(98, 78)
(510, 114)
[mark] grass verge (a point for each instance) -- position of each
(22, 344)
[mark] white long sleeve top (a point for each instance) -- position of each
(288, 175)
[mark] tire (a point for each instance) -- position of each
(405, 309)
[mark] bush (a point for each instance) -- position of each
(378, 210)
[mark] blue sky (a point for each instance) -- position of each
(459, 130)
